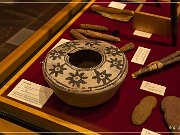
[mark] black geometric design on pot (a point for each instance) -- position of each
(71, 44)
(76, 79)
(113, 51)
(93, 42)
(116, 63)
(57, 69)
(56, 54)
(101, 76)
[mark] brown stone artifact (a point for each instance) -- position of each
(98, 35)
(85, 73)
(143, 110)
(112, 13)
(93, 27)
(170, 105)
(157, 65)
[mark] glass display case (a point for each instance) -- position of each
(115, 115)
(26, 26)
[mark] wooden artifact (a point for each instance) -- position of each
(98, 35)
(127, 47)
(77, 35)
(85, 73)
(112, 13)
(157, 65)
(93, 27)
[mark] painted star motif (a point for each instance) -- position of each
(57, 69)
(70, 44)
(113, 51)
(56, 54)
(76, 79)
(116, 63)
(101, 76)
(93, 42)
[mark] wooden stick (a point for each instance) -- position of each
(77, 35)
(157, 65)
(169, 57)
(127, 47)
(93, 27)
(98, 35)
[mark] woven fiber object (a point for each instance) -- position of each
(85, 73)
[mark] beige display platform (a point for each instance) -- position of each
(152, 23)
(25, 50)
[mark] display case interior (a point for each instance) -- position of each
(120, 114)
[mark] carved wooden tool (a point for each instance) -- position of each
(112, 13)
(127, 47)
(93, 27)
(77, 35)
(157, 65)
(98, 35)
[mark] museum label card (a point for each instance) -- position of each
(20, 36)
(142, 34)
(31, 93)
(152, 87)
(140, 55)
(61, 42)
(117, 5)
(148, 132)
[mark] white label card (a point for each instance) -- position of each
(117, 5)
(61, 42)
(148, 132)
(31, 93)
(152, 87)
(141, 55)
(142, 34)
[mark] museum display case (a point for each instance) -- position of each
(141, 102)
(25, 27)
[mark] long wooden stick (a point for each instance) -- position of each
(98, 35)
(93, 27)
(77, 35)
(157, 65)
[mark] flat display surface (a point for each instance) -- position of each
(114, 115)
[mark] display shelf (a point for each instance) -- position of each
(114, 116)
